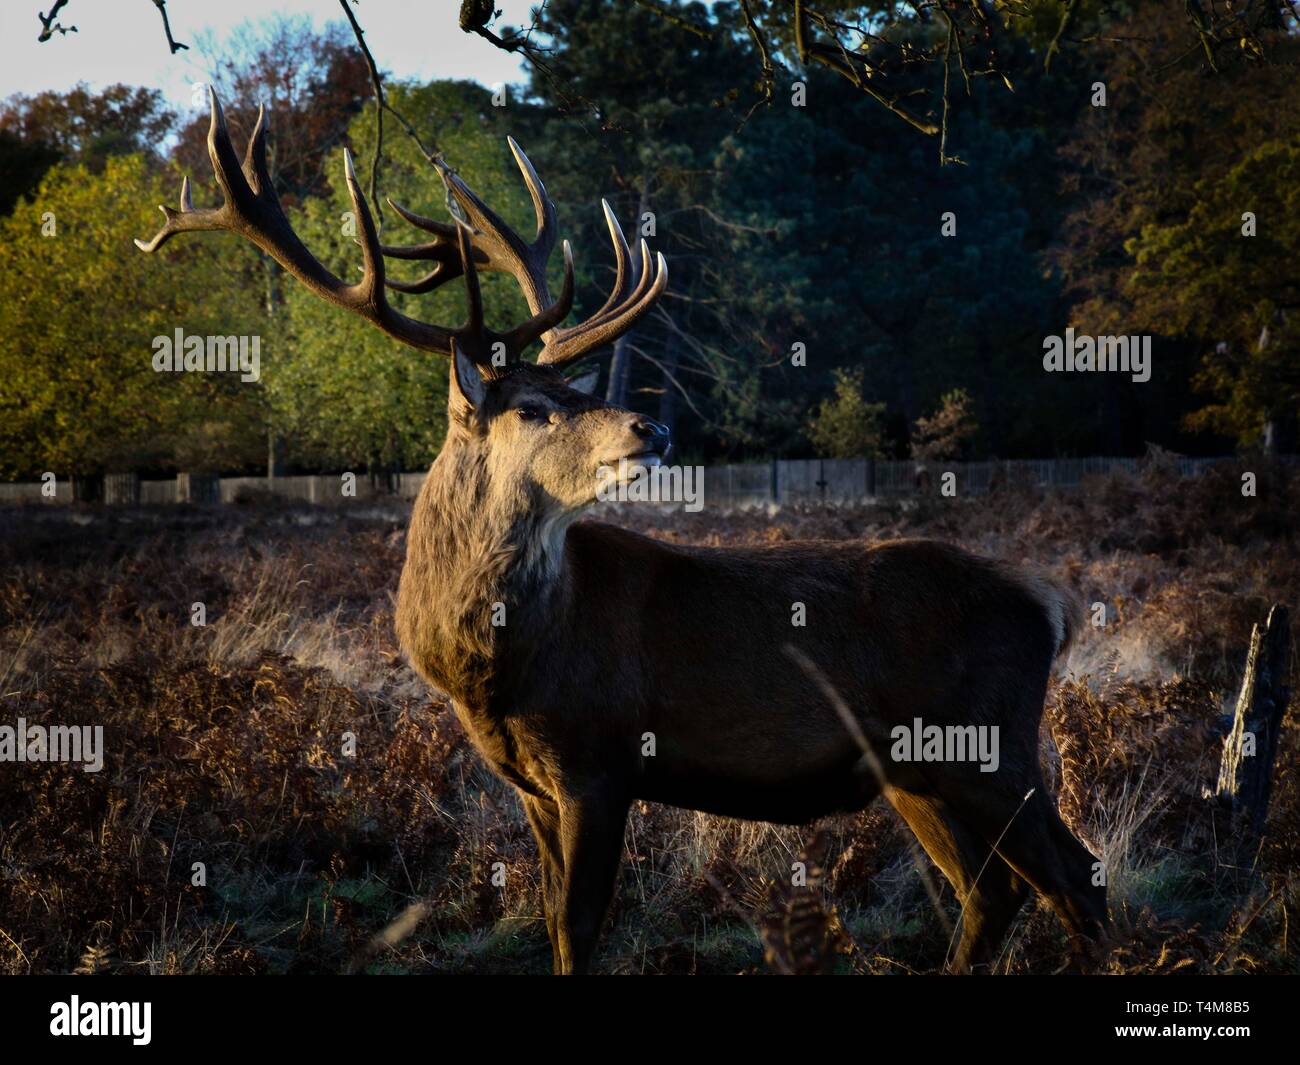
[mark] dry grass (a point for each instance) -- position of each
(225, 746)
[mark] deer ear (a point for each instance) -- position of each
(467, 388)
(586, 383)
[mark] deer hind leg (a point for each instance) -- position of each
(990, 891)
(544, 818)
(1034, 842)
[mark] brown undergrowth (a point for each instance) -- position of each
(278, 788)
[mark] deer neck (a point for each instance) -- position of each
(485, 583)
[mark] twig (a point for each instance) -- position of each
(172, 43)
(870, 758)
(1066, 16)
(769, 72)
(50, 24)
(988, 858)
(433, 158)
(808, 49)
(676, 20)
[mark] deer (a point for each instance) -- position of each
(563, 643)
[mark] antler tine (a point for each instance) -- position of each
(473, 294)
(252, 209)
(568, 346)
(185, 220)
(544, 240)
(371, 285)
(622, 262)
(255, 170)
(631, 294)
(230, 177)
(496, 246)
(444, 230)
(443, 251)
(548, 317)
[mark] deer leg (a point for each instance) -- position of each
(544, 817)
(990, 891)
(591, 834)
(1030, 837)
(1069, 873)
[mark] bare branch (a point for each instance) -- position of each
(768, 80)
(50, 24)
(1066, 16)
(675, 19)
(172, 43)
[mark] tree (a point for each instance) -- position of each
(343, 393)
(915, 60)
(947, 433)
(1156, 242)
(79, 127)
(80, 309)
(312, 84)
(1225, 272)
(847, 426)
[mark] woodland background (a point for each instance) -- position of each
(817, 225)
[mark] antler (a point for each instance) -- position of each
(496, 246)
(252, 209)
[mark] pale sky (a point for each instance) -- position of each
(123, 41)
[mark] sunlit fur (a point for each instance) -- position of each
(605, 637)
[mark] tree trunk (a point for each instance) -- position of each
(616, 390)
(274, 454)
(274, 297)
(668, 398)
(1249, 749)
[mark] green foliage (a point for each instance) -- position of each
(830, 225)
(847, 426)
(1203, 275)
(79, 309)
(1153, 241)
(341, 392)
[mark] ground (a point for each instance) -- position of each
(229, 832)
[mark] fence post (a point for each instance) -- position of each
(122, 488)
(775, 486)
(198, 488)
(86, 489)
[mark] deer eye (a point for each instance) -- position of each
(528, 414)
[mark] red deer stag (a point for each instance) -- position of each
(610, 636)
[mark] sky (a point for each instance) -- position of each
(123, 41)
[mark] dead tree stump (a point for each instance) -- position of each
(1250, 749)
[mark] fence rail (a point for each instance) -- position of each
(734, 485)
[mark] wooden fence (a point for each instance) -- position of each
(727, 486)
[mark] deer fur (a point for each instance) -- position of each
(609, 636)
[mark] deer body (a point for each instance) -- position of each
(610, 638)
(592, 666)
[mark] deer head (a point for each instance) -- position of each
(521, 431)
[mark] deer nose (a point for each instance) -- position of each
(652, 433)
